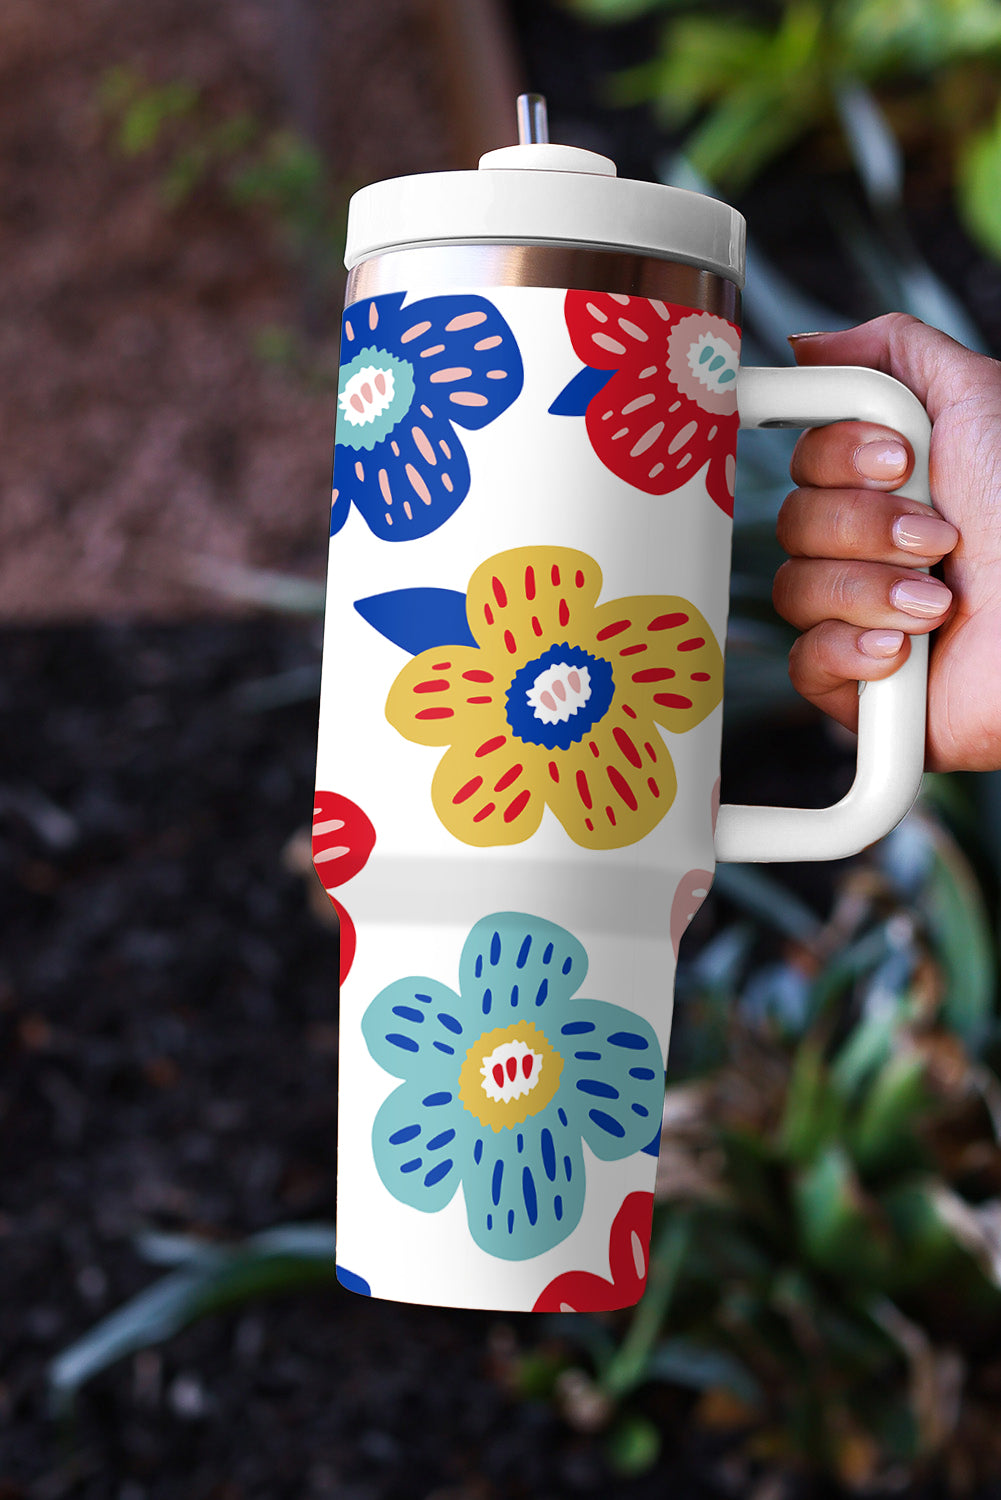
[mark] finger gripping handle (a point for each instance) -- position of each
(891, 730)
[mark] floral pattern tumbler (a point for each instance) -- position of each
(517, 771)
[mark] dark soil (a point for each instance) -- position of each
(168, 1024)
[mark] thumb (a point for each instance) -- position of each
(937, 369)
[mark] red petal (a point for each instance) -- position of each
(610, 331)
(628, 1254)
(343, 838)
(652, 447)
(719, 480)
(348, 939)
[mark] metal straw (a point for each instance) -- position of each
(533, 120)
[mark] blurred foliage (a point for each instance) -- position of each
(204, 1279)
(747, 79)
(825, 1272)
(826, 1261)
(234, 159)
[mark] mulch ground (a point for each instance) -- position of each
(168, 1025)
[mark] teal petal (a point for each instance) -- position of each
(524, 1187)
(413, 1030)
(612, 1085)
(514, 965)
(420, 1142)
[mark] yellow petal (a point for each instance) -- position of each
(490, 794)
(523, 601)
(666, 660)
(446, 695)
(613, 787)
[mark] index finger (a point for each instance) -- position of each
(852, 455)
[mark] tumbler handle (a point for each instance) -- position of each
(891, 728)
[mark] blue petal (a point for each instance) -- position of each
(411, 481)
(353, 1283)
(485, 349)
(533, 965)
(415, 476)
(419, 619)
(340, 506)
(522, 1202)
(575, 397)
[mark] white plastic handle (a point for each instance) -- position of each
(891, 729)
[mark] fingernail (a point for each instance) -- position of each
(881, 460)
(880, 643)
(923, 597)
(817, 333)
(924, 532)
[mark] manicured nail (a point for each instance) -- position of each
(924, 532)
(880, 643)
(923, 597)
(881, 460)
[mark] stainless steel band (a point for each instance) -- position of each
(437, 268)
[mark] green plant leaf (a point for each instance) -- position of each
(632, 1445)
(928, 1242)
(277, 1261)
(814, 1111)
(148, 111)
(953, 907)
(699, 1367)
(761, 896)
(882, 1134)
(629, 1364)
(978, 173)
(866, 1048)
(118, 86)
(838, 1226)
(613, 12)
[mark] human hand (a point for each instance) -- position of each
(851, 584)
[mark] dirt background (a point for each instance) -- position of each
(140, 431)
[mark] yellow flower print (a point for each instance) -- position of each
(558, 702)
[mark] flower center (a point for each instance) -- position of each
(510, 1070)
(703, 357)
(713, 362)
(557, 698)
(367, 395)
(509, 1074)
(559, 691)
(375, 392)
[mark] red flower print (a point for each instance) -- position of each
(670, 407)
(629, 1261)
(343, 839)
(692, 891)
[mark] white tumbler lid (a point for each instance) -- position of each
(537, 193)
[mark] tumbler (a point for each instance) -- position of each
(516, 811)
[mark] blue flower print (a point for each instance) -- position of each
(409, 376)
(503, 1081)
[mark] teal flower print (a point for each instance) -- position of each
(504, 1081)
